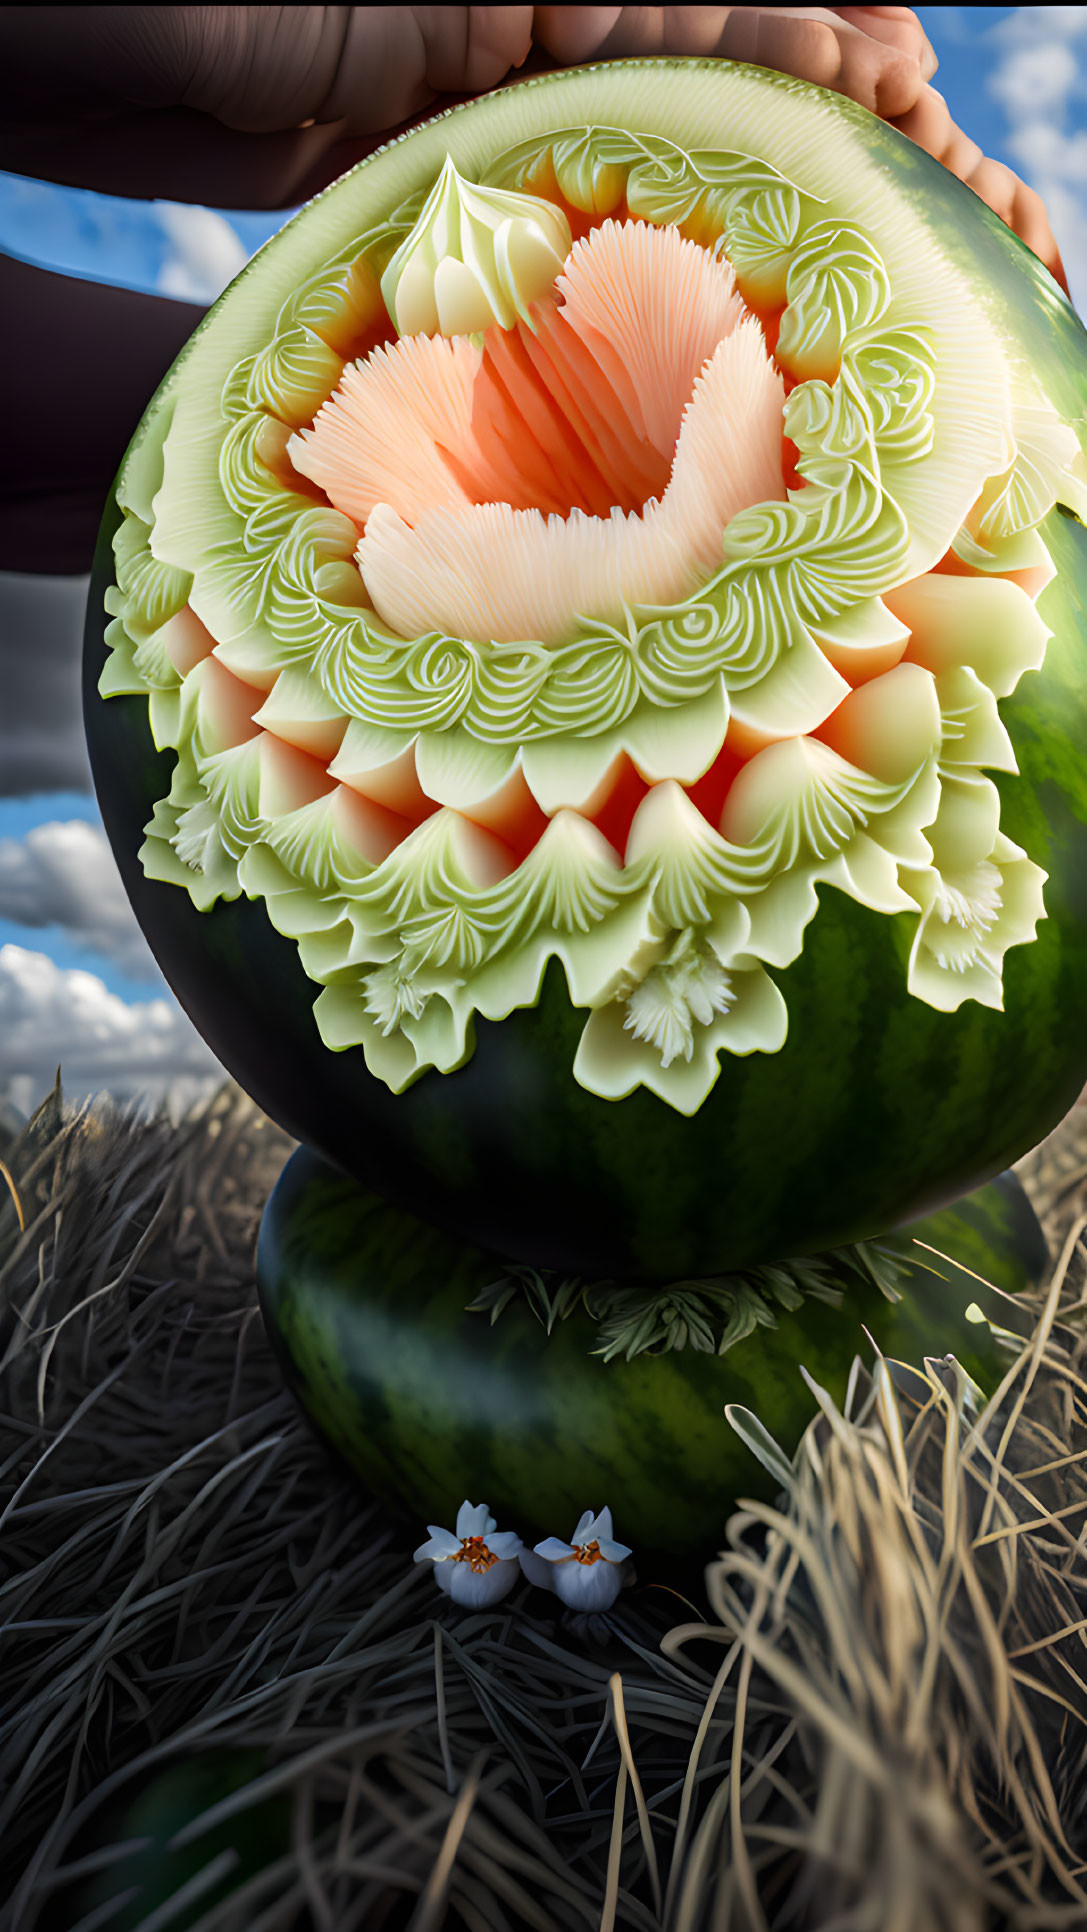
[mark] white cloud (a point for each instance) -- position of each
(50, 1016)
(1040, 81)
(205, 253)
(1022, 25)
(1043, 149)
(64, 874)
(1035, 79)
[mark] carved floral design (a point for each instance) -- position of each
(412, 919)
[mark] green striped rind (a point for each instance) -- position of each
(429, 1404)
(991, 1238)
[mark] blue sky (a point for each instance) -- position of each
(1014, 78)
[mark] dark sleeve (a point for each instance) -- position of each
(83, 365)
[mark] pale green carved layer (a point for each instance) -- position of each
(667, 944)
(476, 256)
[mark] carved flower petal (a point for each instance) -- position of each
(901, 829)
(966, 825)
(780, 915)
(382, 436)
(632, 289)
(990, 625)
(1047, 454)
(567, 771)
(440, 1037)
(493, 573)
(507, 248)
(973, 733)
(217, 708)
(342, 1021)
(796, 695)
(611, 1062)
(799, 800)
(595, 961)
(460, 770)
(862, 642)
(869, 874)
(969, 921)
(298, 709)
(330, 844)
(680, 741)
(289, 778)
(888, 726)
(690, 862)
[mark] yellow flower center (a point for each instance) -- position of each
(475, 1553)
(587, 1553)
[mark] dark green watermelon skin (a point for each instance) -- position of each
(365, 1306)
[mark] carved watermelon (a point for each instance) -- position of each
(586, 675)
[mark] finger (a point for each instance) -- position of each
(882, 72)
(816, 45)
(394, 61)
(831, 53)
(928, 123)
(499, 38)
(885, 79)
(897, 27)
(145, 100)
(1021, 209)
(996, 185)
(261, 70)
(574, 34)
(692, 31)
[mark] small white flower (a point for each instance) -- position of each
(476, 1566)
(588, 1572)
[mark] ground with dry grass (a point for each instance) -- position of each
(873, 1720)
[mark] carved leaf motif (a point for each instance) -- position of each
(836, 285)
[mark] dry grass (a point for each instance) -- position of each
(876, 1721)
